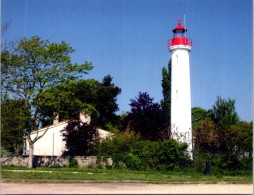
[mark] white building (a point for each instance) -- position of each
(52, 144)
(180, 46)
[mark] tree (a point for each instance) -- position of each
(105, 103)
(33, 67)
(197, 114)
(206, 137)
(146, 118)
(79, 137)
(241, 136)
(68, 99)
(224, 113)
(166, 91)
(14, 115)
(90, 96)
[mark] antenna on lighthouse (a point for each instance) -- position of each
(184, 21)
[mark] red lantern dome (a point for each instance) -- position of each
(179, 36)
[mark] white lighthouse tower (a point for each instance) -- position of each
(180, 47)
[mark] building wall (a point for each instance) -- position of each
(51, 144)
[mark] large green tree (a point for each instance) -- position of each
(166, 91)
(197, 114)
(224, 113)
(13, 122)
(31, 67)
(89, 96)
(219, 129)
(241, 135)
(105, 103)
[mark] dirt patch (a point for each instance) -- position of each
(124, 188)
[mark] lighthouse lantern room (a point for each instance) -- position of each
(180, 47)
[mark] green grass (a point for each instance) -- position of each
(65, 173)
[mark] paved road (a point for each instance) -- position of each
(124, 188)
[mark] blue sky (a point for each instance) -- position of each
(128, 40)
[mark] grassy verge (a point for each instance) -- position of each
(114, 174)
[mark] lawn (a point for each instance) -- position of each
(151, 176)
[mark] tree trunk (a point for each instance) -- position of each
(31, 153)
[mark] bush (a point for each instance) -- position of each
(126, 148)
(79, 137)
(225, 164)
(73, 163)
(167, 155)
(246, 163)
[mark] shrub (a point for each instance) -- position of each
(79, 137)
(225, 164)
(140, 155)
(117, 147)
(167, 155)
(247, 163)
(133, 162)
(73, 163)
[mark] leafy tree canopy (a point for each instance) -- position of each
(219, 129)
(197, 114)
(14, 116)
(90, 96)
(146, 118)
(242, 135)
(166, 91)
(33, 66)
(224, 113)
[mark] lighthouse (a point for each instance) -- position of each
(180, 47)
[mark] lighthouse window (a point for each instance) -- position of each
(179, 33)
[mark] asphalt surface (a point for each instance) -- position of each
(123, 188)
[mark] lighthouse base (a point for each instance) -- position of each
(183, 137)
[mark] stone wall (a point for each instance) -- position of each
(52, 161)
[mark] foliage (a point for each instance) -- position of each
(14, 117)
(5, 152)
(105, 103)
(68, 99)
(116, 146)
(206, 137)
(73, 162)
(223, 139)
(168, 155)
(241, 135)
(197, 114)
(166, 91)
(79, 137)
(224, 112)
(147, 118)
(30, 68)
(36, 64)
(223, 164)
(126, 149)
(121, 142)
(90, 96)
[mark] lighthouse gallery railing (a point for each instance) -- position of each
(179, 41)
